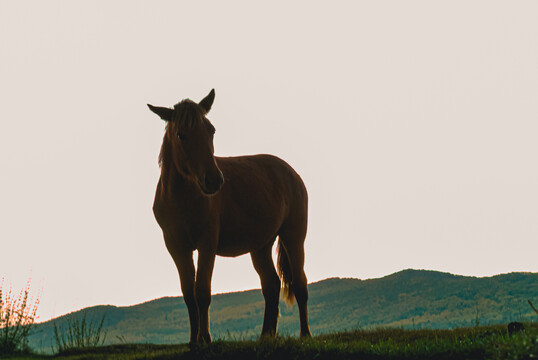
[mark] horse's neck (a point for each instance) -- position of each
(177, 186)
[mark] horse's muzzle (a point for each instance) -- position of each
(212, 183)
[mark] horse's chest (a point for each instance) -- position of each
(184, 223)
(184, 216)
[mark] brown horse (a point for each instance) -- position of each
(228, 206)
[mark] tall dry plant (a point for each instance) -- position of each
(17, 316)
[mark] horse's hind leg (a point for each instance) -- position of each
(293, 243)
(263, 263)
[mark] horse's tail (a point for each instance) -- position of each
(284, 272)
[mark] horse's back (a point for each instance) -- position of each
(265, 175)
(261, 195)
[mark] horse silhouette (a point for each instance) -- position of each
(228, 206)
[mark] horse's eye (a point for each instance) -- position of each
(181, 136)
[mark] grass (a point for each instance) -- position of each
(79, 333)
(485, 342)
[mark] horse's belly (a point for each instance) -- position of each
(236, 246)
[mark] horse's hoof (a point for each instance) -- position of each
(268, 335)
(204, 339)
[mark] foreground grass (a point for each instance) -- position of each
(489, 342)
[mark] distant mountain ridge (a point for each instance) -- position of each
(409, 298)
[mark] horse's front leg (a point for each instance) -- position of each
(204, 272)
(185, 267)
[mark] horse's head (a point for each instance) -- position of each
(188, 142)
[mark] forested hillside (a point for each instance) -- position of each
(410, 299)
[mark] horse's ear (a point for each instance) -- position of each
(208, 101)
(164, 113)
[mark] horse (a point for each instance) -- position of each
(228, 206)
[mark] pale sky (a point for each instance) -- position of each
(413, 124)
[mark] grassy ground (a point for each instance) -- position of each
(488, 342)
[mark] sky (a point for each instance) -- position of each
(413, 125)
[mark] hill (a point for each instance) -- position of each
(408, 299)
